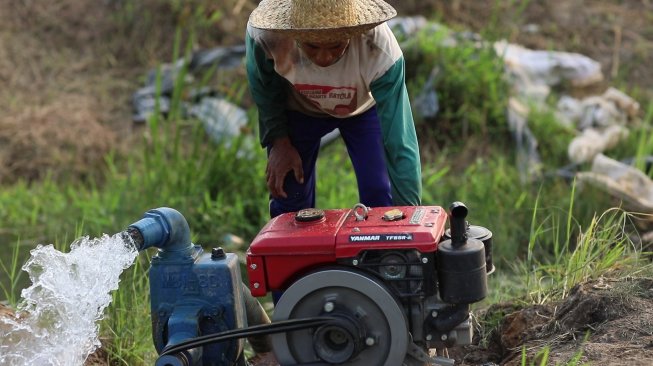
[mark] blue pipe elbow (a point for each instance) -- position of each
(164, 228)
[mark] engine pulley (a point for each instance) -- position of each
(371, 327)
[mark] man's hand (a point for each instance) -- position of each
(283, 158)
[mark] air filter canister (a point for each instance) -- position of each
(461, 272)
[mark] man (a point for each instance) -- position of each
(317, 65)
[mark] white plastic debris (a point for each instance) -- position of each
(623, 101)
(221, 119)
(591, 142)
(528, 158)
(601, 119)
(426, 104)
(623, 181)
(407, 26)
(535, 71)
(225, 123)
(599, 112)
(153, 98)
(610, 108)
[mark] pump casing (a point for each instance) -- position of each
(192, 293)
(197, 295)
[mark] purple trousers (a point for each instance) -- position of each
(362, 136)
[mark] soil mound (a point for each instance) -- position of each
(603, 322)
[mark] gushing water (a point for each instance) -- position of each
(56, 322)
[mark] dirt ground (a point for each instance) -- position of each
(68, 69)
(598, 320)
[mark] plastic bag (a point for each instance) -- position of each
(621, 180)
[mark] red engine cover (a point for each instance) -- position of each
(286, 248)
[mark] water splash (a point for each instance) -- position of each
(56, 323)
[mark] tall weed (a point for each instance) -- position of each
(601, 248)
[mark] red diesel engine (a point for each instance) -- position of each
(396, 282)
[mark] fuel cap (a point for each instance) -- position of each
(309, 214)
(393, 215)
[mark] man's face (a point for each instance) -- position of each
(324, 54)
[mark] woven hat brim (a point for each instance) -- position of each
(274, 15)
(326, 35)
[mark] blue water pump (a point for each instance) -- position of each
(192, 293)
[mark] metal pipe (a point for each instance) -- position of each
(450, 318)
(256, 315)
(183, 324)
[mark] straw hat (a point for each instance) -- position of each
(321, 20)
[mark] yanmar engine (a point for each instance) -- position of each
(395, 282)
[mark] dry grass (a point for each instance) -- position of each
(71, 66)
(64, 139)
(68, 70)
(67, 78)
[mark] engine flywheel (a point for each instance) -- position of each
(370, 329)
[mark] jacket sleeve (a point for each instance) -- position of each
(269, 91)
(399, 137)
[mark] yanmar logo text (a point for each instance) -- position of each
(380, 237)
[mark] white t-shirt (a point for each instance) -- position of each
(339, 90)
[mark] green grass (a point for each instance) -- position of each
(469, 79)
(542, 358)
(126, 328)
(600, 247)
(13, 273)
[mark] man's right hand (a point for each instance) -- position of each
(283, 158)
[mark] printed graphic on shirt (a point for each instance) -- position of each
(339, 101)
